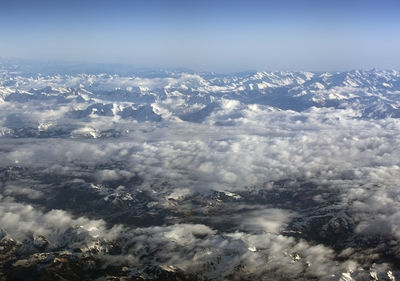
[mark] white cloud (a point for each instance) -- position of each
(352, 159)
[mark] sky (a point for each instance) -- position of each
(206, 35)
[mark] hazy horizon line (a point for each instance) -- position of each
(49, 63)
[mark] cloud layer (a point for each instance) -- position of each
(206, 175)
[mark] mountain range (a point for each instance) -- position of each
(182, 175)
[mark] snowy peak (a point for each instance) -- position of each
(189, 97)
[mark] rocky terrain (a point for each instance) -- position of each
(177, 175)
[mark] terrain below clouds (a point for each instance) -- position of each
(176, 175)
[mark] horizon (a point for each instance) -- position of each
(117, 68)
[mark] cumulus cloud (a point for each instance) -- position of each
(20, 221)
(194, 248)
(191, 172)
(266, 220)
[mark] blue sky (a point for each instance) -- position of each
(206, 35)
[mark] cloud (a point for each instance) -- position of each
(25, 191)
(224, 192)
(267, 220)
(20, 221)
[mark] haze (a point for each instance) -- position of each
(206, 35)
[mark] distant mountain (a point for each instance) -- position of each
(200, 97)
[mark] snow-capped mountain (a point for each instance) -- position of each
(177, 175)
(189, 97)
